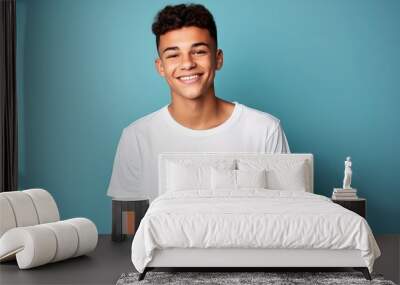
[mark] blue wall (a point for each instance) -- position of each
(330, 70)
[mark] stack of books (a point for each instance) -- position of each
(344, 194)
(128, 223)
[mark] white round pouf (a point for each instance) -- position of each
(52, 242)
(67, 240)
(46, 207)
(31, 233)
(87, 233)
(7, 216)
(33, 246)
(23, 208)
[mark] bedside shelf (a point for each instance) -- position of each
(358, 205)
(126, 217)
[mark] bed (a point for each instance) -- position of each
(246, 210)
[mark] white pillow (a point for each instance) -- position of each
(182, 178)
(223, 179)
(237, 179)
(293, 178)
(281, 174)
(251, 178)
(187, 174)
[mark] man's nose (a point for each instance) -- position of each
(187, 62)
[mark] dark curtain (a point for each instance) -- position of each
(8, 99)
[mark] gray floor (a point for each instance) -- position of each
(389, 262)
(102, 266)
(109, 260)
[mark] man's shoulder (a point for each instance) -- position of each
(145, 122)
(258, 117)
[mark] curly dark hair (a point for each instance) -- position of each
(183, 15)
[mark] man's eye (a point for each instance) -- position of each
(172, 55)
(200, 52)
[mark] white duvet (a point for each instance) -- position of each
(250, 218)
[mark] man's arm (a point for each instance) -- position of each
(276, 142)
(126, 174)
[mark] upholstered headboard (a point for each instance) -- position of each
(204, 158)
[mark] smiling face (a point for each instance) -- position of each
(188, 60)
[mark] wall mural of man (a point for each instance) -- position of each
(196, 120)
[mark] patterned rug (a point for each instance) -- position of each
(243, 278)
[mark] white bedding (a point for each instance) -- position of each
(250, 218)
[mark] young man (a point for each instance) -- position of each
(195, 120)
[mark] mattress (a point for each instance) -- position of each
(250, 219)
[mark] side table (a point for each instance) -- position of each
(357, 205)
(126, 216)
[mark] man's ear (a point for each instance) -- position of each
(219, 59)
(160, 67)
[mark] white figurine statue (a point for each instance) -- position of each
(347, 173)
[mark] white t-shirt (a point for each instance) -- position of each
(135, 171)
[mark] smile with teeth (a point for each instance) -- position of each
(189, 78)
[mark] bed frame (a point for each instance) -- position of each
(260, 259)
(248, 259)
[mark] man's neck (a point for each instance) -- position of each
(202, 113)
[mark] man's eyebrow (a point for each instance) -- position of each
(201, 44)
(193, 45)
(170, 48)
